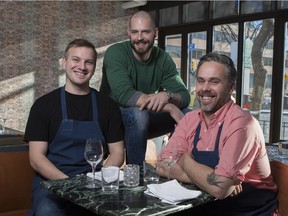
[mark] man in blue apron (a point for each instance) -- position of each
(222, 147)
(59, 124)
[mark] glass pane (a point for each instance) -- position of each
(284, 128)
(192, 15)
(282, 4)
(168, 16)
(196, 49)
(231, 8)
(173, 47)
(225, 41)
(257, 70)
(249, 7)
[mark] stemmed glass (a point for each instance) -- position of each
(93, 154)
(171, 155)
(3, 118)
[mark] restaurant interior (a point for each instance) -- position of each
(34, 34)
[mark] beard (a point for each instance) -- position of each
(143, 50)
(215, 105)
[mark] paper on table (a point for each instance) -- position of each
(98, 175)
(171, 192)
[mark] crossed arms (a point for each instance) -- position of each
(188, 170)
(41, 164)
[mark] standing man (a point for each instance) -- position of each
(59, 124)
(222, 147)
(144, 81)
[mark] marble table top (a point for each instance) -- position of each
(128, 201)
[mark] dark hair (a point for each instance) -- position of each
(222, 59)
(81, 43)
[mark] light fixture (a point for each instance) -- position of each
(133, 4)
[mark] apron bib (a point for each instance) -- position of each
(251, 201)
(66, 151)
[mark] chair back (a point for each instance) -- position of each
(280, 175)
(15, 180)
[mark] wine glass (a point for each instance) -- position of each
(171, 155)
(3, 118)
(93, 154)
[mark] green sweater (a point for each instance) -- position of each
(124, 75)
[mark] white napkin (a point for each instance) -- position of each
(171, 192)
(98, 175)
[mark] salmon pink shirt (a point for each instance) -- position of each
(242, 152)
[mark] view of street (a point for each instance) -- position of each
(264, 121)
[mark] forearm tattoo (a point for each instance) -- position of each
(212, 180)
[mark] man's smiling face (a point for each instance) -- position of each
(79, 65)
(212, 86)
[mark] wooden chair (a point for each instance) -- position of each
(280, 175)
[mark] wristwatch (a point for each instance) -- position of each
(170, 96)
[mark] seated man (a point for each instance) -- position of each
(222, 147)
(59, 124)
(144, 81)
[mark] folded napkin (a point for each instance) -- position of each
(171, 192)
(98, 175)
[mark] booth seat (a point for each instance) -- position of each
(15, 180)
(279, 172)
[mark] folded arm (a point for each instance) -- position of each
(116, 156)
(189, 171)
(160, 102)
(41, 164)
(206, 179)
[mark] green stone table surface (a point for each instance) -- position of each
(128, 201)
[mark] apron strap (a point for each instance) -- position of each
(64, 107)
(196, 137)
(63, 103)
(94, 105)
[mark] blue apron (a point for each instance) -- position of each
(66, 151)
(251, 201)
(209, 158)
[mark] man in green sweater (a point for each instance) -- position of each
(144, 81)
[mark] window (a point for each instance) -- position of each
(284, 128)
(231, 8)
(256, 93)
(245, 32)
(200, 11)
(173, 47)
(168, 16)
(250, 7)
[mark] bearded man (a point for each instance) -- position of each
(144, 81)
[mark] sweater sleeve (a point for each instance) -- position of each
(125, 77)
(116, 75)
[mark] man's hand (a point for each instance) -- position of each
(174, 112)
(155, 102)
(159, 102)
(237, 190)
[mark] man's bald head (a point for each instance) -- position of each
(142, 15)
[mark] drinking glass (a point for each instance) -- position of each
(131, 175)
(3, 118)
(171, 155)
(93, 153)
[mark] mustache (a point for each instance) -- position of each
(140, 41)
(206, 93)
